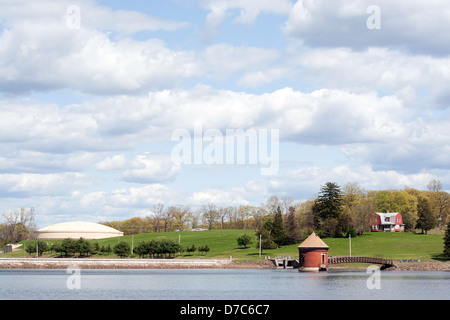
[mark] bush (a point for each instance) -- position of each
(244, 240)
(122, 249)
(191, 249)
(158, 247)
(42, 247)
(203, 249)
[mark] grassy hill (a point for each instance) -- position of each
(222, 244)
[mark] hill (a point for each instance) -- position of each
(222, 244)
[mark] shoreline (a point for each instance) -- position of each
(64, 263)
(87, 263)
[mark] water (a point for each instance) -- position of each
(221, 284)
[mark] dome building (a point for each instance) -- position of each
(77, 230)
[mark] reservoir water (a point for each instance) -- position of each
(222, 284)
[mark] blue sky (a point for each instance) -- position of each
(91, 93)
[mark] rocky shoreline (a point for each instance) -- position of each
(30, 263)
(424, 266)
(54, 263)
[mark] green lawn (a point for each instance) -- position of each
(223, 244)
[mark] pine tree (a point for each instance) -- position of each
(264, 232)
(425, 217)
(278, 232)
(293, 234)
(328, 209)
(447, 242)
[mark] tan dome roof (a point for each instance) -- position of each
(78, 229)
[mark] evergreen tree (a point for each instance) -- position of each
(244, 240)
(122, 249)
(293, 234)
(447, 242)
(327, 209)
(265, 233)
(278, 232)
(425, 219)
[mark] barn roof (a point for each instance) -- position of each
(313, 241)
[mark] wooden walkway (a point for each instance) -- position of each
(385, 263)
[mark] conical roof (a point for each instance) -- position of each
(313, 241)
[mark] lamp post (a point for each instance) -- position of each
(350, 243)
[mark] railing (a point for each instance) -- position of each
(337, 260)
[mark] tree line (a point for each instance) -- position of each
(67, 247)
(156, 248)
(334, 211)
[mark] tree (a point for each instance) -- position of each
(244, 240)
(278, 233)
(292, 228)
(122, 249)
(328, 210)
(439, 201)
(83, 246)
(425, 219)
(447, 242)
(328, 205)
(132, 226)
(41, 247)
(264, 232)
(203, 248)
(191, 249)
(68, 247)
(141, 249)
(18, 225)
(210, 215)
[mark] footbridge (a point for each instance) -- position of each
(385, 263)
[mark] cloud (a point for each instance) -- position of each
(40, 52)
(404, 24)
(248, 10)
(32, 184)
(382, 69)
(133, 197)
(151, 168)
(304, 183)
(81, 134)
(231, 197)
(91, 15)
(112, 163)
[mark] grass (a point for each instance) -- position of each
(222, 244)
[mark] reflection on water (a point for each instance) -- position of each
(227, 284)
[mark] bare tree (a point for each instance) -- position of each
(19, 225)
(158, 212)
(210, 215)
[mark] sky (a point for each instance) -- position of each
(110, 107)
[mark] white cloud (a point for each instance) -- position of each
(304, 183)
(249, 10)
(33, 184)
(112, 163)
(342, 23)
(231, 197)
(321, 117)
(151, 168)
(40, 52)
(381, 69)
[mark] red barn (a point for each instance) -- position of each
(386, 222)
(313, 254)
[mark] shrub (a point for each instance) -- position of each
(122, 249)
(244, 240)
